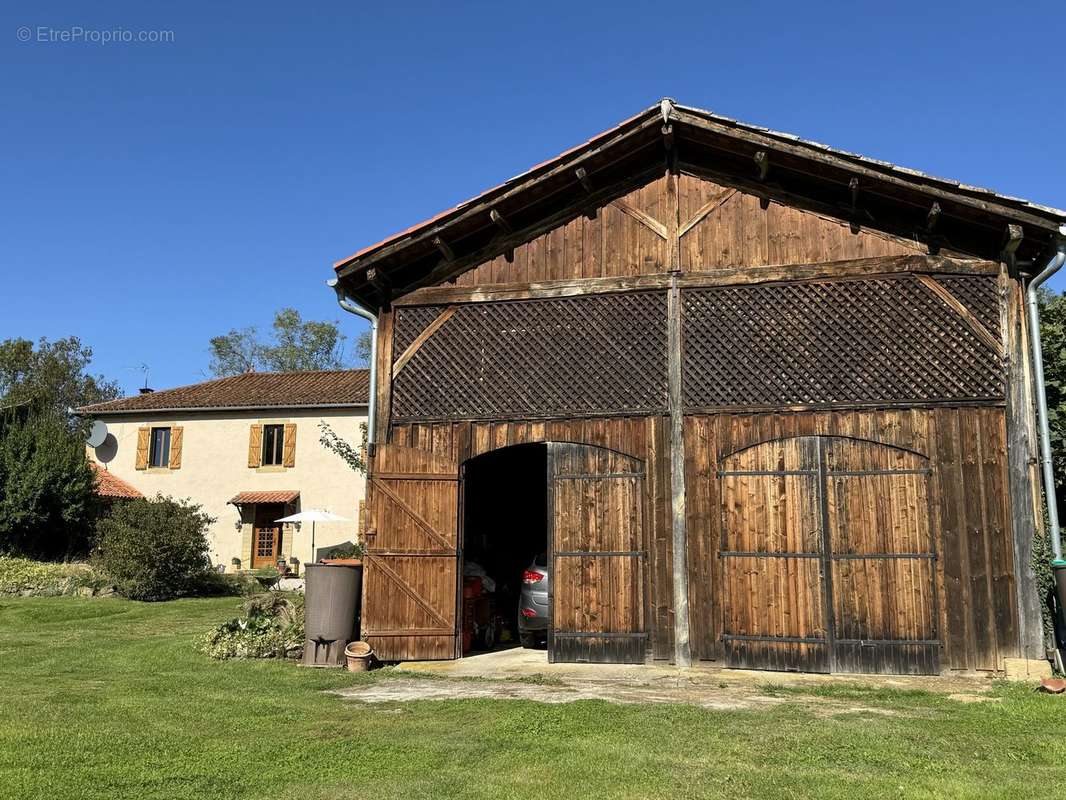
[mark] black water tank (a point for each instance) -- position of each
(331, 608)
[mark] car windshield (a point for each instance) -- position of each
(541, 560)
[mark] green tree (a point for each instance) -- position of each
(47, 497)
(1053, 339)
(293, 345)
(50, 376)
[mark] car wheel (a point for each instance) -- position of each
(528, 640)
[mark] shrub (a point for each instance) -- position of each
(47, 579)
(348, 550)
(271, 626)
(155, 549)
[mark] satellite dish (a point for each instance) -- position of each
(97, 434)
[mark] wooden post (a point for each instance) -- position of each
(682, 650)
(1024, 487)
(384, 387)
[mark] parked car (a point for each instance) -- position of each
(533, 603)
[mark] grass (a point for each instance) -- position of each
(107, 698)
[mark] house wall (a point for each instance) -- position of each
(214, 468)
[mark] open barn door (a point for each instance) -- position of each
(596, 541)
(411, 564)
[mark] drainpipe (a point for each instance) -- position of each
(352, 306)
(1054, 530)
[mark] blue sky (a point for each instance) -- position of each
(157, 194)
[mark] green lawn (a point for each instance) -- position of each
(108, 698)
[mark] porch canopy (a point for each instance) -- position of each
(271, 496)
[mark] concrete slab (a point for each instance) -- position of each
(519, 663)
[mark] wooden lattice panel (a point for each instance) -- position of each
(410, 322)
(579, 356)
(826, 343)
(979, 293)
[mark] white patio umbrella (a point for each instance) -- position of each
(314, 515)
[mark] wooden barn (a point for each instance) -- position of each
(761, 403)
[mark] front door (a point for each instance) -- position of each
(597, 552)
(266, 535)
(411, 576)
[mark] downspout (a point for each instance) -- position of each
(1033, 307)
(349, 304)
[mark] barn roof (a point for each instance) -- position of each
(251, 390)
(970, 220)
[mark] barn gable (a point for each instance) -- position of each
(617, 180)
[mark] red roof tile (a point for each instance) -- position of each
(273, 496)
(327, 388)
(108, 485)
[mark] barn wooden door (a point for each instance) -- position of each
(773, 594)
(828, 558)
(411, 565)
(883, 558)
(597, 550)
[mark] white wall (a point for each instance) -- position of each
(214, 468)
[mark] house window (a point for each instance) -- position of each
(159, 455)
(273, 445)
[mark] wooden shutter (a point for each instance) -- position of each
(255, 446)
(175, 447)
(143, 437)
(596, 541)
(412, 559)
(289, 452)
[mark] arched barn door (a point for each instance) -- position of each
(828, 558)
(596, 537)
(412, 558)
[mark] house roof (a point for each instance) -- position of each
(108, 485)
(970, 220)
(251, 390)
(273, 496)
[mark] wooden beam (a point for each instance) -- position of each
(762, 162)
(707, 208)
(932, 217)
(734, 276)
(853, 188)
(648, 221)
(1024, 494)
(500, 222)
(445, 250)
(682, 648)
(953, 302)
(1012, 238)
(583, 178)
(421, 339)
